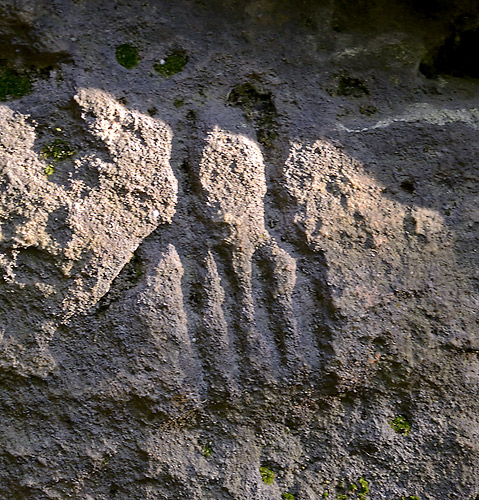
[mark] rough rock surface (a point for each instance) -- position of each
(239, 250)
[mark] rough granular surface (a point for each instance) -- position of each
(239, 250)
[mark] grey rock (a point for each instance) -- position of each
(257, 263)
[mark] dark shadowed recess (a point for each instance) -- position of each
(457, 56)
(21, 48)
(454, 49)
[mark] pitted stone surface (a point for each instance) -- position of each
(260, 258)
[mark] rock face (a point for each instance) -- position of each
(239, 250)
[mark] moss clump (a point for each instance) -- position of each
(368, 110)
(258, 107)
(411, 497)
(57, 150)
(135, 269)
(49, 169)
(191, 115)
(401, 425)
(172, 64)
(359, 490)
(364, 488)
(13, 84)
(207, 451)
(267, 475)
(287, 496)
(127, 56)
(351, 87)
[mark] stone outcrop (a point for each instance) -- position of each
(239, 250)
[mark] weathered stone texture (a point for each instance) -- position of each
(254, 244)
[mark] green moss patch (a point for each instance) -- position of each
(355, 491)
(58, 150)
(267, 475)
(401, 425)
(368, 110)
(172, 64)
(13, 84)
(177, 103)
(127, 56)
(49, 169)
(363, 488)
(352, 87)
(207, 451)
(258, 107)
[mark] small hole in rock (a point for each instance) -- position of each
(407, 186)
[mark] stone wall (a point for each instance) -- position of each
(239, 250)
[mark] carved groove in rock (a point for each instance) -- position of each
(257, 262)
